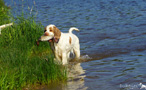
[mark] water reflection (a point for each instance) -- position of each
(76, 77)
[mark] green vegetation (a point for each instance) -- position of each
(4, 17)
(22, 62)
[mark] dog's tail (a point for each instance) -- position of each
(73, 28)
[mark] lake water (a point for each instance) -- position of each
(112, 39)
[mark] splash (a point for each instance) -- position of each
(142, 86)
(86, 57)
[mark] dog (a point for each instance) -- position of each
(62, 44)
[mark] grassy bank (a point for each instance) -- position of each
(22, 62)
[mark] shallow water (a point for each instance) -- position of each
(112, 33)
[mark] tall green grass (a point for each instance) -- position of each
(4, 11)
(24, 63)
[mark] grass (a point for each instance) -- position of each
(4, 10)
(22, 62)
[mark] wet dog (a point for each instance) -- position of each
(62, 44)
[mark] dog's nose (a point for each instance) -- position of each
(46, 34)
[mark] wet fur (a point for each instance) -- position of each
(63, 44)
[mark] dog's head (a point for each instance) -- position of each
(52, 31)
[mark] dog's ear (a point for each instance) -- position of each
(57, 33)
(45, 29)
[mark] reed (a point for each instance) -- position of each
(24, 63)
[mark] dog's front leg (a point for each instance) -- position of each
(57, 58)
(64, 58)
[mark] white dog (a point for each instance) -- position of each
(62, 43)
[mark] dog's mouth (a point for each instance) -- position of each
(54, 40)
(51, 40)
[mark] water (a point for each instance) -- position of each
(112, 38)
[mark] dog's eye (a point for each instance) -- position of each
(50, 30)
(45, 30)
